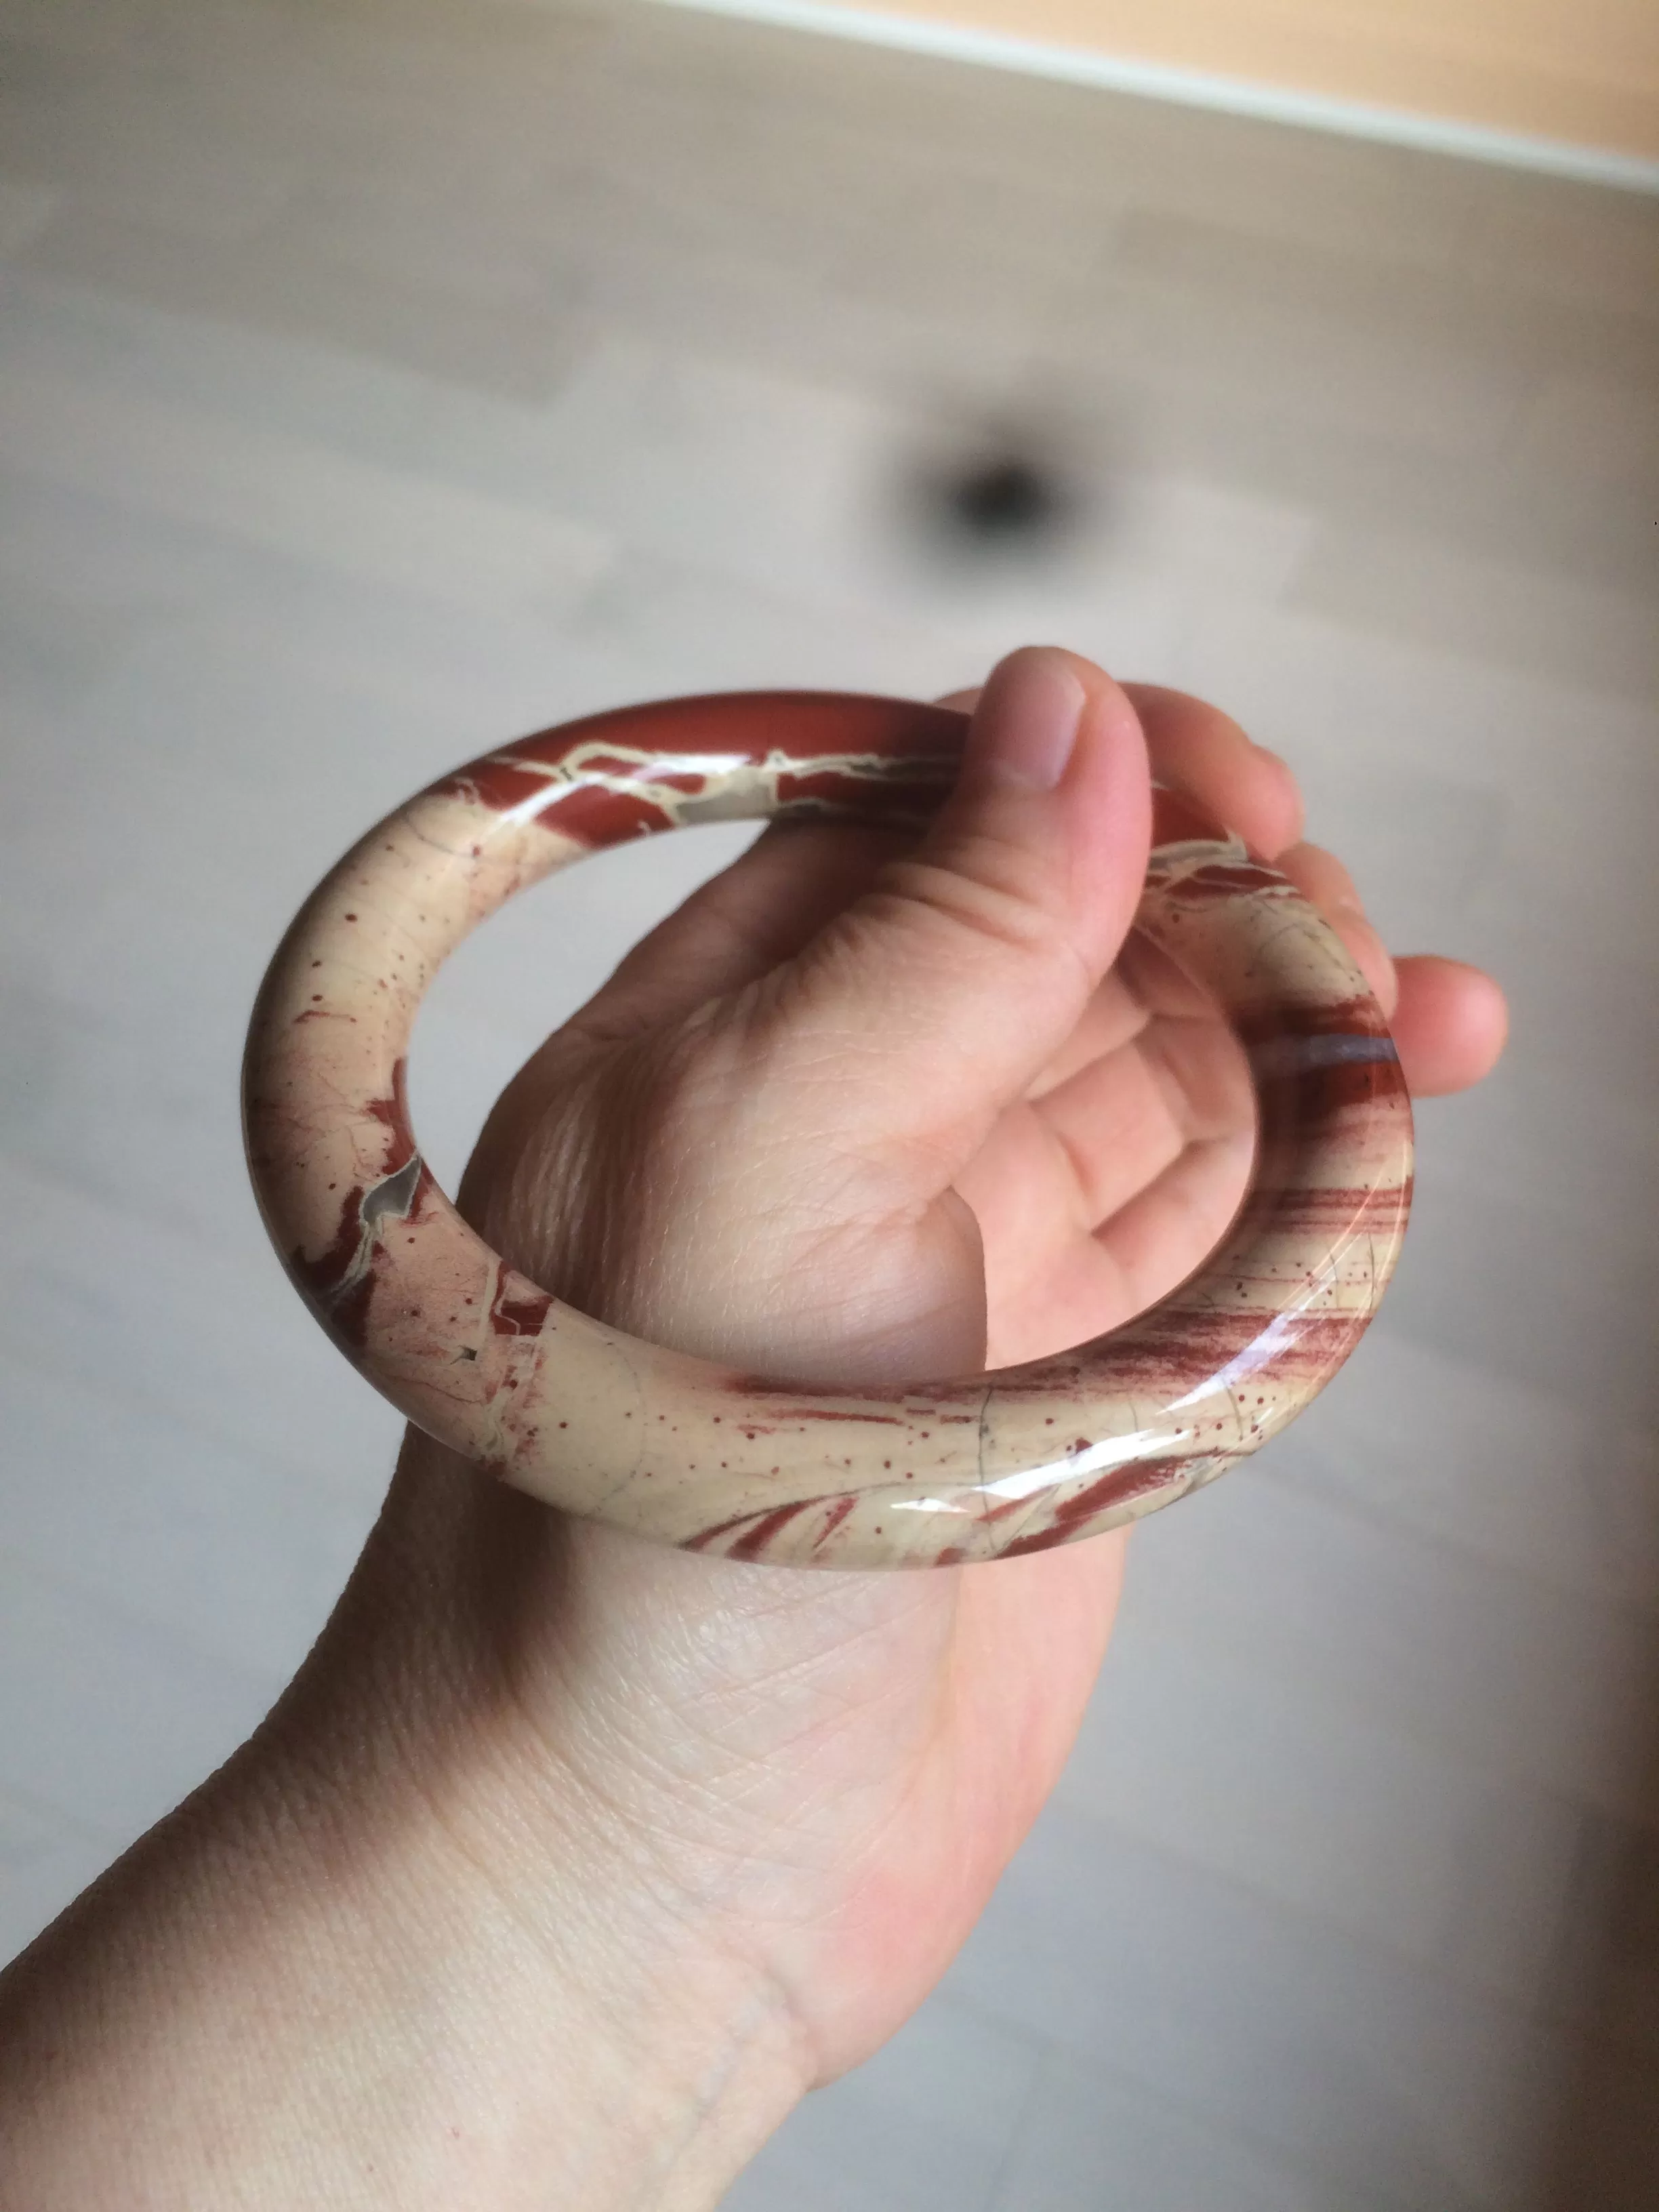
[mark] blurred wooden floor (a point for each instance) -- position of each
(380, 380)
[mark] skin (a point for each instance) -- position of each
(568, 1864)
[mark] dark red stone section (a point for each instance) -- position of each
(1178, 820)
(1356, 1017)
(320, 1277)
(520, 1316)
(393, 1115)
(598, 817)
(1221, 880)
(496, 783)
(806, 725)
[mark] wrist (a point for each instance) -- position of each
(533, 2018)
(562, 2038)
(390, 1956)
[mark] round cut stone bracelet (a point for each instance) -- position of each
(981, 1467)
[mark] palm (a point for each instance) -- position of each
(1097, 1194)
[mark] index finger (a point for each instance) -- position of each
(1197, 749)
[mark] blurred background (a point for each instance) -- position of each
(382, 379)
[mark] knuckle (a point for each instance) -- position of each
(995, 895)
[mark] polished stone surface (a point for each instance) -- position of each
(935, 1472)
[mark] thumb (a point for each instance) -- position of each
(934, 1000)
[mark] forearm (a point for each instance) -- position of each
(345, 1975)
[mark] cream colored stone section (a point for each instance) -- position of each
(337, 1007)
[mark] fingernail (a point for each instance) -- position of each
(1287, 773)
(1027, 724)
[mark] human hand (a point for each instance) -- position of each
(611, 1849)
(867, 1110)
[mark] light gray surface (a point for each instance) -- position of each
(379, 381)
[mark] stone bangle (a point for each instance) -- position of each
(981, 1468)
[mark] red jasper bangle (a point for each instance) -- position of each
(983, 1467)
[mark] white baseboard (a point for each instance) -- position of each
(1195, 88)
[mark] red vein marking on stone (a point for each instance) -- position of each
(755, 1540)
(1121, 1486)
(512, 1313)
(830, 1413)
(392, 1113)
(838, 1513)
(769, 1517)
